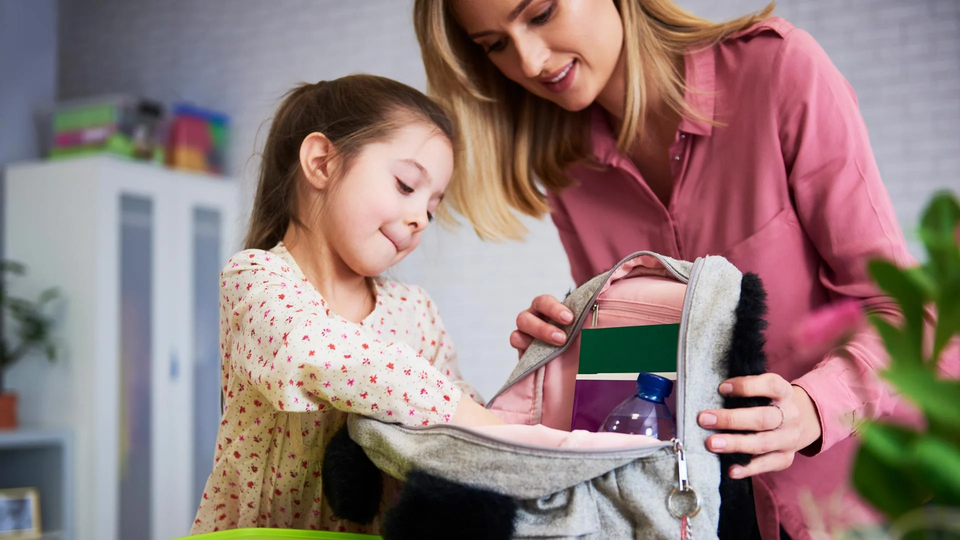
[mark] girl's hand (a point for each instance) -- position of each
(784, 428)
(470, 413)
(534, 323)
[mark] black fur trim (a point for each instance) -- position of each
(738, 516)
(352, 484)
(431, 507)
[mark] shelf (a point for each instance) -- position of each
(32, 438)
(42, 459)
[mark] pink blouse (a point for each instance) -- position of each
(786, 186)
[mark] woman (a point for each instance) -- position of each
(637, 125)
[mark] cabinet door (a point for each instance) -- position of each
(209, 209)
(136, 333)
(149, 454)
(208, 259)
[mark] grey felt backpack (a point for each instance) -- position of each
(482, 486)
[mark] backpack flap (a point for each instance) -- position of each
(624, 490)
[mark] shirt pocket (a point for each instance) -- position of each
(763, 239)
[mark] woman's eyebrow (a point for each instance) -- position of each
(511, 17)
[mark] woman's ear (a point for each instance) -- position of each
(316, 160)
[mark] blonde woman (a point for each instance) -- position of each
(637, 125)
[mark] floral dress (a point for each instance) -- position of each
(292, 370)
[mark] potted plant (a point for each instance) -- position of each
(27, 327)
(912, 476)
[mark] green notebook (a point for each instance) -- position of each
(611, 359)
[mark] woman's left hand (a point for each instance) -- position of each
(782, 429)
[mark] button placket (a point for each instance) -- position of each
(678, 151)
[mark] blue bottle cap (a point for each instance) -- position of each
(653, 387)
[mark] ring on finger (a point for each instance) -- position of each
(783, 416)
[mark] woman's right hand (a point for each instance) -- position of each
(535, 323)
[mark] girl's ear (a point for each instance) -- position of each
(316, 160)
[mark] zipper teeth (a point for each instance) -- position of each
(635, 308)
(630, 450)
(583, 315)
(682, 348)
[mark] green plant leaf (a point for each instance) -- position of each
(905, 291)
(882, 472)
(937, 398)
(948, 316)
(13, 267)
(938, 230)
(923, 282)
(50, 294)
(939, 463)
(902, 350)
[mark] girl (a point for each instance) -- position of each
(352, 171)
(638, 125)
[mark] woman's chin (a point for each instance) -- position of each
(571, 100)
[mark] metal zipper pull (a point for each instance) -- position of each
(596, 314)
(683, 501)
(681, 465)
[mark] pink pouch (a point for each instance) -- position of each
(640, 292)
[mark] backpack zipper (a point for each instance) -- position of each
(578, 324)
(634, 310)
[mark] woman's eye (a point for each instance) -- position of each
(405, 189)
(430, 217)
(497, 46)
(543, 16)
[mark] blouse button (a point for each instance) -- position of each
(683, 135)
(676, 158)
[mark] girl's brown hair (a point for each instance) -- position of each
(351, 112)
(517, 146)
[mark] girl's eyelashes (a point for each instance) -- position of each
(405, 189)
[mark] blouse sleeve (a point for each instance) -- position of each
(300, 358)
(848, 215)
(439, 348)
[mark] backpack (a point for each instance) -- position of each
(503, 483)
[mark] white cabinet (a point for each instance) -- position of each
(137, 252)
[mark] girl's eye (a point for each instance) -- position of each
(405, 189)
(430, 217)
(544, 16)
(497, 46)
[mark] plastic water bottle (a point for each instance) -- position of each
(645, 412)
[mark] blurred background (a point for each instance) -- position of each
(117, 434)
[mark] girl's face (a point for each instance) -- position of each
(374, 215)
(562, 50)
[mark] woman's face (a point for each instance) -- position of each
(561, 50)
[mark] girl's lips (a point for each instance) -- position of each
(399, 246)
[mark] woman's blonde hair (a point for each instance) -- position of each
(516, 146)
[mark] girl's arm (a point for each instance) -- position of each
(439, 347)
(284, 342)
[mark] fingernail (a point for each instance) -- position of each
(558, 338)
(718, 443)
(726, 388)
(736, 472)
(566, 316)
(707, 419)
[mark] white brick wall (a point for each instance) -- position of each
(903, 59)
